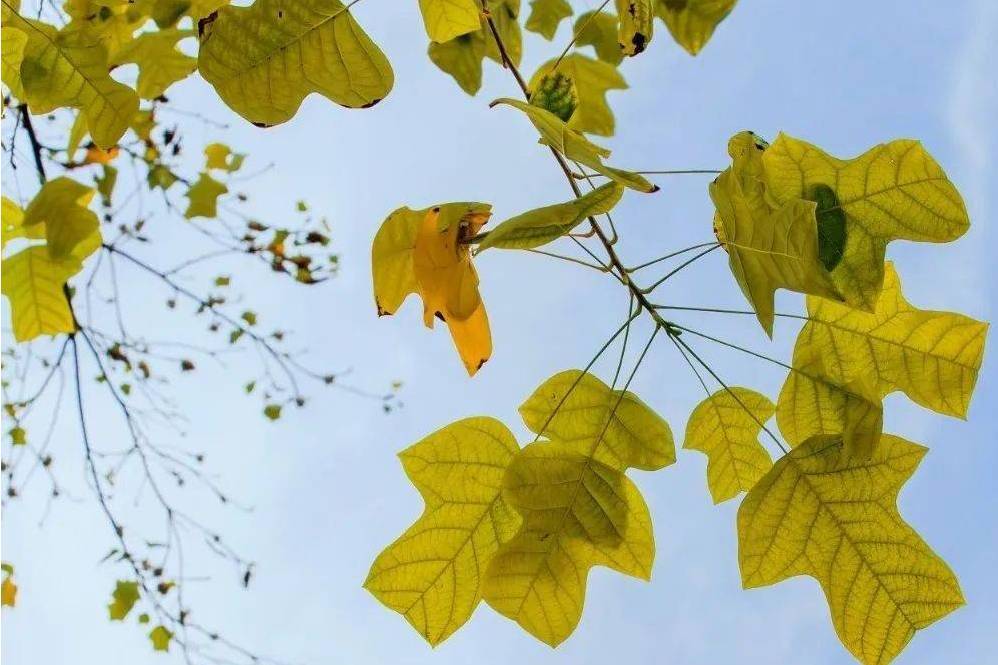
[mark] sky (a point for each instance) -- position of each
(325, 486)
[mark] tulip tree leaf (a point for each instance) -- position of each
(635, 25)
(599, 30)
(592, 80)
(203, 196)
(576, 147)
(821, 513)
(546, 16)
(447, 19)
(263, 60)
(579, 508)
(160, 62)
(432, 573)
(462, 56)
(68, 68)
(123, 599)
(13, 42)
(933, 357)
(768, 248)
(543, 225)
(32, 282)
(160, 637)
(726, 428)
(894, 191)
(692, 22)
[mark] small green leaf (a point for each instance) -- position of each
(160, 637)
(272, 411)
(124, 597)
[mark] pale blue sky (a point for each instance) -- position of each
(327, 490)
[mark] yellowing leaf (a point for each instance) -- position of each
(447, 19)
(576, 147)
(635, 29)
(599, 30)
(160, 62)
(70, 68)
(263, 60)
(692, 22)
(893, 191)
(8, 589)
(60, 210)
(546, 16)
(13, 223)
(767, 248)
(577, 513)
(160, 637)
(33, 281)
(432, 574)
(12, 43)
(821, 513)
(579, 509)
(425, 252)
(123, 599)
(462, 56)
(219, 156)
(726, 428)
(592, 80)
(543, 225)
(203, 196)
(933, 357)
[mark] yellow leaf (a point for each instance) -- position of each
(13, 223)
(845, 356)
(692, 22)
(432, 574)
(768, 248)
(635, 28)
(70, 68)
(160, 62)
(263, 60)
(726, 428)
(592, 80)
(546, 16)
(13, 43)
(8, 589)
(579, 509)
(447, 19)
(821, 513)
(123, 599)
(424, 252)
(60, 211)
(160, 637)
(32, 282)
(599, 30)
(219, 156)
(203, 196)
(576, 147)
(543, 225)
(893, 191)
(462, 56)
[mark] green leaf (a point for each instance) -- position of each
(546, 16)
(272, 411)
(219, 156)
(263, 60)
(894, 191)
(692, 22)
(726, 428)
(592, 79)
(576, 147)
(543, 225)
(18, 436)
(69, 68)
(61, 208)
(822, 513)
(13, 42)
(432, 573)
(123, 599)
(203, 196)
